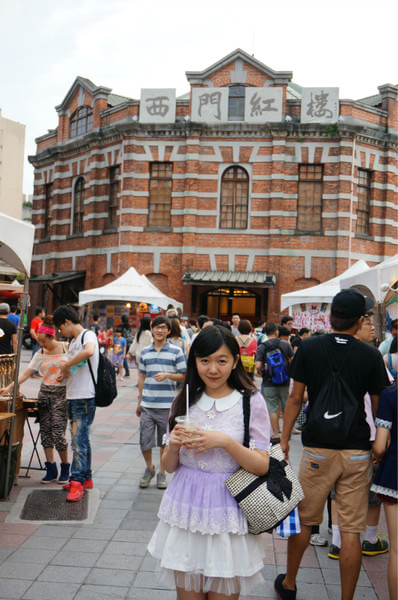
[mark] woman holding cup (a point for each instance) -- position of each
(202, 541)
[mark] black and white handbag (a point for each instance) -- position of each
(265, 500)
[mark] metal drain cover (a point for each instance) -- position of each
(51, 505)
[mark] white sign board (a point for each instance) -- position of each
(263, 104)
(158, 106)
(319, 105)
(210, 105)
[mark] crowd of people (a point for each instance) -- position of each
(205, 366)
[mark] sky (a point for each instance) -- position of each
(127, 45)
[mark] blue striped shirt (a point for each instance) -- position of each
(169, 359)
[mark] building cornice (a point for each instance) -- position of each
(289, 131)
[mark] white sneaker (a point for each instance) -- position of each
(318, 540)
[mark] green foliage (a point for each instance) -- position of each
(331, 130)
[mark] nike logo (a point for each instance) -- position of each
(327, 416)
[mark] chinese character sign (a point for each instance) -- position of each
(210, 105)
(158, 106)
(263, 105)
(319, 105)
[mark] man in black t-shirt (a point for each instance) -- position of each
(95, 326)
(275, 395)
(347, 465)
(8, 331)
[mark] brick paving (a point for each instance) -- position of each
(108, 558)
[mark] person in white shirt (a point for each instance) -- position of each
(80, 395)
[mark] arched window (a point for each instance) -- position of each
(234, 198)
(78, 206)
(81, 121)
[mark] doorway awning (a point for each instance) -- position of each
(57, 277)
(259, 279)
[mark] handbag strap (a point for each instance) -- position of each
(246, 417)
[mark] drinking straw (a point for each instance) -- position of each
(187, 399)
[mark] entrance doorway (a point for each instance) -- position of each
(224, 301)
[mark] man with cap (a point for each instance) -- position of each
(346, 465)
(8, 331)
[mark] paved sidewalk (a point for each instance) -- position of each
(108, 558)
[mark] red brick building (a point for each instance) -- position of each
(247, 187)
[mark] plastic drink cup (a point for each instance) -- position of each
(187, 421)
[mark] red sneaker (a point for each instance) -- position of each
(87, 485)
(76, 491)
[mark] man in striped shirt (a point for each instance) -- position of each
(161, 366)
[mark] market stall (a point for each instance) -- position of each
(16, 247)
(131, 287)
(380, 282)
(310, 307)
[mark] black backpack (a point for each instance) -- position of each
(332, 414)
(105, 386)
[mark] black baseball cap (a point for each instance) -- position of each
(351, 304)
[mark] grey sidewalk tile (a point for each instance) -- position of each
(114, 466)
(131, 522)
(149, 564)
(79, 546)
(13, 588)
(12, 569)
(93, 533)
(146, 579)
(107, 523)
(64, 574)
(55, 531)
(269, 572)
(117, 504)
(118, 577)
(119, 561)
(126, 495)
(128, 535)
(361, 593)
(100, 592)
(312, 591)
(69, 558)
(327, 563)
(45, 543)
(147, 594)
(331, 577)
(51, 591)
(309, 576)
(5, 552)
(126, 548)
(111, 513)
(23, 555)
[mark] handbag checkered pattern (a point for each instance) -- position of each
(263, 510)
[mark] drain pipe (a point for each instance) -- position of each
(351, 201)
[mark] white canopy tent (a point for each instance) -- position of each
(323, 292)
(129, 287)
(375, 278)
(16, 248)
(16, 243)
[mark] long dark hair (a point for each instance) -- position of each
(175, 330)
(145, 325)
(208, 341)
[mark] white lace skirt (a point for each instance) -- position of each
(222, 563)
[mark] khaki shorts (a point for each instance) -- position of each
(350, 472)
